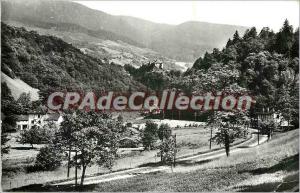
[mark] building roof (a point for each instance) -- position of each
(22, 118)
(53, 117)
(39, 110)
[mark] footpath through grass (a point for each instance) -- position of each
(272, 166)
(263, 168)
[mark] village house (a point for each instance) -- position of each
(271, 115)
(38, 117)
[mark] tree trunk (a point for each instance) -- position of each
(227, 144)
(210, 138)
(69, 159)
(161, 152)
(82, 175)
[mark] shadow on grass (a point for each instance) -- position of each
(48, 188)
(179, 163)
(288, 164)
(24, 148)
(265, 187)
(289, 184)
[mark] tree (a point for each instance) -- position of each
(164, 131)
(285, 104)
(284, 39)
(49, 158)
(66, 133)
(4, 140)
(149, 135)
(97, 145)
(252, 33)
(230, 127)
(167, 146)
(211, 124)
(267, 127)
(236, 37)
(93, 136)
(168, 150)
(30, 79)
(295, 46)
(9, 109)
(33, 135)
(24, 102)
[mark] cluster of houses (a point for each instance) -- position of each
(39, 117)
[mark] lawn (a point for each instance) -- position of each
(191, 140)
(272, 166)
(262, 168)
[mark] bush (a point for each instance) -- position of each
(39, 135)
(164, 131)
(32, 136)
(128, 143)
(48, 158)
(149, 135)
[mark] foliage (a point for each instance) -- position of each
(9, 109)
(24, 103)
(149, 135)
(230, 125)
(167, 150)
(47, 62)
(167, 146)
(48, 158)
(164, 131)
(265, 64)
(38, 135)
(95, 136)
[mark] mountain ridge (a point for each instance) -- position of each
(162, 38)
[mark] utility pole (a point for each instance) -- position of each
(69, 159)
(258, 130)
(210, 138)
(75, 168)
(174, 163)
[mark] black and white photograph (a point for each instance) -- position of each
(149, 96)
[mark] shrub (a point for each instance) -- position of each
(38, 135)
(128, 143)
(149, 135)
(48, 158)
(32, 136)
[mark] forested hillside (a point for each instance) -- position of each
(48, 62)
(264, 63)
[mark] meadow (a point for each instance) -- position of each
(272, 166)
(16, 165)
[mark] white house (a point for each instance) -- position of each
(27, 121)
(276, 117)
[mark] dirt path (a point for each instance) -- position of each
(144, 170)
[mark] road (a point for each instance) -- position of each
(144, 170)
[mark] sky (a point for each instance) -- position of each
(245, 13)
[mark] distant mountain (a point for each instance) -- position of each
(102, 45)
(184, 42)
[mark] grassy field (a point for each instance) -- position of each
(268, 167)
(191, 140)
(17, 87)
(272, 166)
